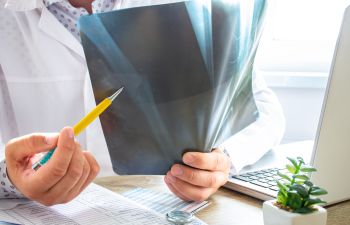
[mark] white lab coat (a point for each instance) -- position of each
(45, 85)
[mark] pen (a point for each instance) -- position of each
(82, 124)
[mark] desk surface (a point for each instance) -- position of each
(227, 207)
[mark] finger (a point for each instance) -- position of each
(214, 161)
(172, 189)
(58, 192)
(29, 145)
(172, 182)
(199, 177)
(94, 169)
(57, 166)
(191, 192)
(76, 190)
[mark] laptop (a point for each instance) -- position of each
(330, 153)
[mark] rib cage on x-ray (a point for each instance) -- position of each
(187, 72)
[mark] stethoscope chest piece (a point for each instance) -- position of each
(179, 217)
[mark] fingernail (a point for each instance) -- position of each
(188, 158)
(177, 171)
(171, 179)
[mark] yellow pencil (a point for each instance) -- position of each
(82, 124)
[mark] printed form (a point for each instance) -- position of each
(95, 205)
(162, 202)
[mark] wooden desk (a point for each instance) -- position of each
(227, 207)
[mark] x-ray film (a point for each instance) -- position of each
(187, 72)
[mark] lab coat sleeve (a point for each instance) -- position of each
(250, 144)
(7, 189)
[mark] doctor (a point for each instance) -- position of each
(44, 85)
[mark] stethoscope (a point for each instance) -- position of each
(179, 217)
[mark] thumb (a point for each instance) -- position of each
(29, 145)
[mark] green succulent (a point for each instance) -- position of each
(296, 192)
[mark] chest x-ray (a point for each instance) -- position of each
(187, 72)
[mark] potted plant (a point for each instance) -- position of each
(297, 199)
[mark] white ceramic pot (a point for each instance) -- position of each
(276, 216)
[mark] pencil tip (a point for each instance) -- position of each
(112, 97)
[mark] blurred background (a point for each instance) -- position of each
(295, 55)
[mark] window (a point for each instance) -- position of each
(298, 42)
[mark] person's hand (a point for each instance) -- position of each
(201, 177)
(61, 179)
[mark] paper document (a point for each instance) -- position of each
(95, 205)
(11, 203)
(162, 202)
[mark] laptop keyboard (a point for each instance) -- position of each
(264, 178)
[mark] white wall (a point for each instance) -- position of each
(295, 54)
